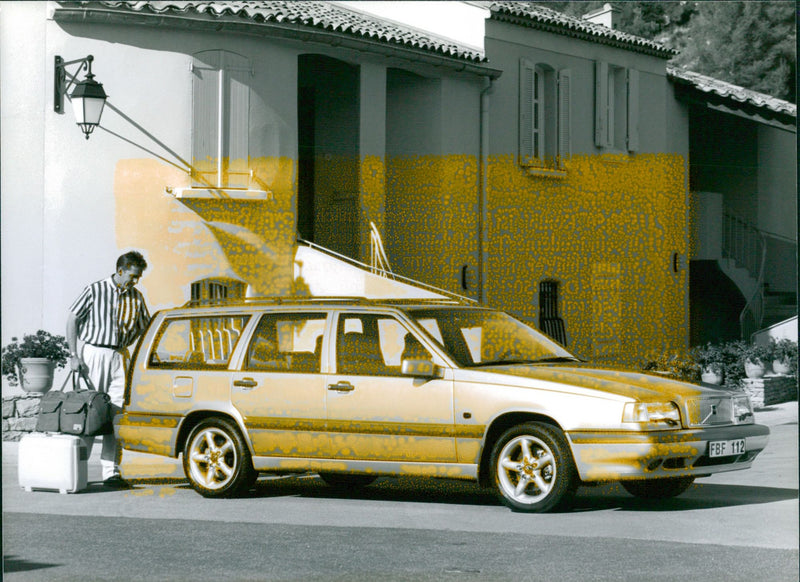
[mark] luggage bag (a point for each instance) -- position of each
(53, 461)
(80, 412)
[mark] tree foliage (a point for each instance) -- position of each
(747, 43)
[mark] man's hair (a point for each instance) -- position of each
(131, 259)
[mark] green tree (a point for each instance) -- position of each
(747, 43)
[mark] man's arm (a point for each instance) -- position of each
(75, 361)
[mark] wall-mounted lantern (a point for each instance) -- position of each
(88, 98)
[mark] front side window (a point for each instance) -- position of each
(220, 119)
(287, 342)
(477, 337)
(375, 345)
(197, 342)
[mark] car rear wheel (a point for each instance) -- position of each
(216, 459)
(533, 469)
(658, 488)
(347, 481)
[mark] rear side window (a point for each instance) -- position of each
(287, 342)
(197, 342)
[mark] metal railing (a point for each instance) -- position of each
(379, 263)
(746, 245)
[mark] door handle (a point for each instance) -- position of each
(342, 387)
(245, 383)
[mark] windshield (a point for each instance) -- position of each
(482, 337)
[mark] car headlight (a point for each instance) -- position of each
(652, 415)
(743, 410)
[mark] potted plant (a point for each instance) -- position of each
(784, 356)
(711, 359)
(31, 362)
(756, 358)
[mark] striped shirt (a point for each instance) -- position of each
(107, 316)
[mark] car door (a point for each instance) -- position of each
(374, 411)
(279, 390)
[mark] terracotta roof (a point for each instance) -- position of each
(326, 16)
(537, 16)
(728, 91)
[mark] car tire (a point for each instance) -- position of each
(216, 459)
(657, 488)
(533, 469)
(347, 481)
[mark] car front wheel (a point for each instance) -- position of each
(533, 469)
(658, 488)
(216, 459)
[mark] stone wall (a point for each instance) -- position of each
(19, 415)
(771, 389)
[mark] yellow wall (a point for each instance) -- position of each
(190, 239)
(606, 231)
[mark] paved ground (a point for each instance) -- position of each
(741, 525)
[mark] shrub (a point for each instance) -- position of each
(678, 365)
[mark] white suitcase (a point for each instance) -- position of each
(52, 461)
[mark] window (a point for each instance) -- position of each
(220, 112)
(197, 342)
(549, 321)
(616, 107)
(375, 345)
(287, 342)
(217, 288)
(544, 115)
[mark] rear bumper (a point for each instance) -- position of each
(612, 456)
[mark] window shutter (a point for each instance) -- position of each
(633, 110)
(526, 80)
(564, 115)
(600, 104)
(205, 113)
(237, 114)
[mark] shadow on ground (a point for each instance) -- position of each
(420, 490)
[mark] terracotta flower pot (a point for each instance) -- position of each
(781, 367)
(754, 369)
(711, 376)
(36, 374)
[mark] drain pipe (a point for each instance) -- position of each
(483, 214)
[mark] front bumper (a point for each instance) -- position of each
(612, 456)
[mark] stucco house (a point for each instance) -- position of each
(546, 172)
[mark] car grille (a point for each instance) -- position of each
(710, 411)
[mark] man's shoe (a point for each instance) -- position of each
(116, 482)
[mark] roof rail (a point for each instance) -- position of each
(287, 299)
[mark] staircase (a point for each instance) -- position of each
(744, 252)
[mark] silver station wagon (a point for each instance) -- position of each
(354, 389)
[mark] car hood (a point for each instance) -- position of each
(636, 385)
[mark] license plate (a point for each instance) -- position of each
(726, 448)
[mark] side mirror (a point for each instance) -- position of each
(418, 368)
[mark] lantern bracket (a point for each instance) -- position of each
(60, 85)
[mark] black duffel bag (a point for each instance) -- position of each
(79, 412)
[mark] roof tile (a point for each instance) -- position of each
(323, 15)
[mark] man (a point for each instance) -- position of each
(108, 317)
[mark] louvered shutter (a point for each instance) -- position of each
(526, 81)
(633, 110)
(601, 104)
(564, 115)
(238, 129)
(205, 116)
